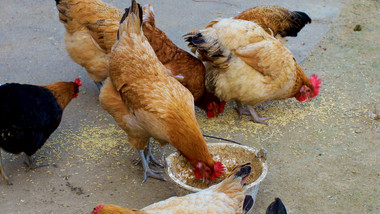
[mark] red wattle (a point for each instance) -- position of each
(210, 114)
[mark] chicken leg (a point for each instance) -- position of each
(251, 111)
(32, 163)
(150, 157)
(255, 117)
(146, 157)
(2, 170)
(99, 85)
(147, 170)
(240, 109)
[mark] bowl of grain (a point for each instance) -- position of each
(230, 154)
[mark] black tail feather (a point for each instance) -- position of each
(244, 171)
(57, 2)
(129, 10)
(126, 12)
(133, 9)
(299, 20)
(276, 207)
(303, 16)
(193, 38)
(197, 39)
(210, 48)
(248, 203)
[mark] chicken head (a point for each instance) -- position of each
(77, 84)
(306, 93)
(203, 171)
(213, 109)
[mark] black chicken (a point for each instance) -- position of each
(30, 114)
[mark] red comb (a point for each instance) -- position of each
(316, 82)
(78, 82)
(218, 170)
(219, 167)
(98, 207)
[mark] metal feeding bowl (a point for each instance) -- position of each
(230, 155)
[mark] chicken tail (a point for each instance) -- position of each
(234, 186)
(276, 207)
(298, 20)
(132, 20)
(248, 204)
(194, 39)
(207, 46)
(148, 15)
(63, 15)
(198, 40)
(239, 173)
(242, 171)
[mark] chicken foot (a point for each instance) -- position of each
(2, 170)
(32, 163)
(251, 111)
(150, 157)
(146, 158)
(147, 170)
(99, 85)
(255, 117)
(240, 109)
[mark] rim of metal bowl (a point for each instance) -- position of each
(194, 189)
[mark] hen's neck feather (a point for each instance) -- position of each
(62, 91)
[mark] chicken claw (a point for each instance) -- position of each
(256, 118)
(2, 171)
(240, 109)
(150, 158)
(32, 163)
(251, 111)
(147, 171)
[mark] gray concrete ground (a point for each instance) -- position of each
(322, 156)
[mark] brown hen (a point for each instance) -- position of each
(147, 102)
(91, 29)
(248, 65)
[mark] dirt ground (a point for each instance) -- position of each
(323, 156)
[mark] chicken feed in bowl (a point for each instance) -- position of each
(231, 155)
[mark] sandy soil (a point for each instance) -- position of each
(323, 156)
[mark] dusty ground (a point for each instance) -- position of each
(323, 156)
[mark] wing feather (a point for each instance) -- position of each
(268, 57)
